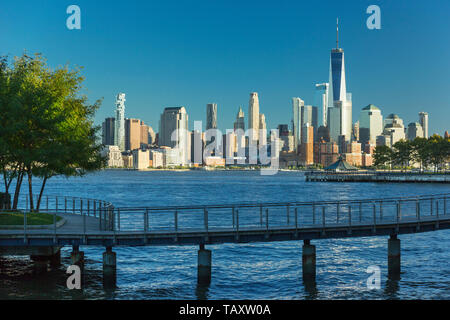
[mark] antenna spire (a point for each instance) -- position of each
(337, 33)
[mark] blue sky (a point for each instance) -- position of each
(190, 53)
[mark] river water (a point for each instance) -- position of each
(240, 271)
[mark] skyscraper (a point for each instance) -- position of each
(174, 124)
(211, 116)
(297, 105)
(341, 123)
(240, 121)
(108, 132)
(119, 134)
(370, 124)
(321, 101)
(253, 117)
(415, 130)
(423, 120)
(262, 130)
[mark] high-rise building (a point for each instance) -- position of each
(173, 132)
(253, 117)
(370, 124)
(307, 146)
(309, 115)
(415, 130)
(119, 126)
(423, 120)
(240, 121)
(132, 134)
(297, 105)
(262, 130)
(339, 121)
(355, 131)
(321, 101)
(108, 132)
(211, 116)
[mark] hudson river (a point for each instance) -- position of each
(240, 271)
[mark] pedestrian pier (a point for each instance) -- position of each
(99, 223)
(376, 176)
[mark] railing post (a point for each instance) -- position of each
(56, 205)
(95, 208)
(296, 218)
(205, 218)
(73, 205)
(261, 215)
(323, 216)
(237, 220)
(374, 213)
(360, 211)
(417, 209)
(65, 204)
(84, 223)
(25, 223)
(398, 211)
(81, 206)
(176, 220)
(100, 218)
(381, 210)
(445, 205)
(349, 214)
(233, 214)
(118, 219)
(89, 208)
(314, 213)
(54, 223)
(47, 203)
(338, 208)
(287, 215)
(146, 220)
(267, 218)
(26, 206)
(431, 206)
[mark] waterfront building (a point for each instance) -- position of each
(339, 100)
(323, 133)
(297, 105)
(370, 124)
(198, 144)
(240, 121)
(151, 136)
(136, 134)
(127, 158)
(156, 158)
(328, 153)
(173, 124)
(353, 153)
(211, 116)
(214, 161)
(253, 117)
(113, 156)
(321, 101)
(415, 130)
(307, 146)
(119, 126)
(423, 120)
(108, 131)
(141, 159)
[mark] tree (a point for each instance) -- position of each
(402, 153)
(51, 129)
(383, 156)
(421, 151)
(439, 150)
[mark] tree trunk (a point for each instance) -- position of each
(17, 190)
(30, 189)
(40, 194)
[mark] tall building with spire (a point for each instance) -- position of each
(240, 120)
(297, 107)
(423, 120)
(253, 117)
(119, 126)
(262, 130)
(339, 101)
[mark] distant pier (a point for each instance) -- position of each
(374, 176)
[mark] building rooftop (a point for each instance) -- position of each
(371, 107)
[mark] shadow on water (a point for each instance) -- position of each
(392, 287)
(311, 291)
(201, 291)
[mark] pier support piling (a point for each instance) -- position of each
(394, 256)
(77, 257)
(204, 265)
(309, 261)
(109, 268)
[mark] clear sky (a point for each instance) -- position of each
(190, 53)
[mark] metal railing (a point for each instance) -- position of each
(100, 210)
(293, 215)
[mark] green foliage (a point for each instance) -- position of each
(33, 219)
(47, 125)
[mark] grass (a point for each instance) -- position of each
(33, 219)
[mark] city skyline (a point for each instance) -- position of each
(288, 62)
